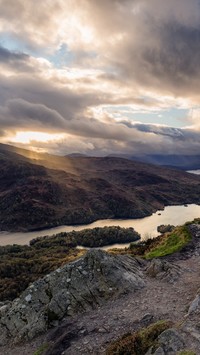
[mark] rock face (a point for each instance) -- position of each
(170, 341)
(163, 270)
(195, 305)
(77, 286)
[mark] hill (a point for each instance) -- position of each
(178, 161)
(41, 190)
(104, 303)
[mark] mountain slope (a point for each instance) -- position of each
(41, 190)
(179, 161)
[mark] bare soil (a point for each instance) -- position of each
(91, 332)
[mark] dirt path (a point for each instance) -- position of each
(90, 333)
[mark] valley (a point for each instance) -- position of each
(39, 191)
(51, 290)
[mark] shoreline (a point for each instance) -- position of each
(56, 225)
(146, 227)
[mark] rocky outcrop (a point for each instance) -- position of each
(163, 270)
(195, 305)
(76, 287)
(163, 228)
(169, 342)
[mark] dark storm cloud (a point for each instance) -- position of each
(170, 63)
(16, 61)
(38, 90)
(33, 114)
(20, 114)
(140, 50)
(9, 56)
(40, 105)
(159, 130)
(151, 44)
(177, 59)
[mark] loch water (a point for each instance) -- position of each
(147, 227)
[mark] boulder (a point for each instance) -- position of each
(76, 287)
(163, 270)
(169, 343)
(165, 228)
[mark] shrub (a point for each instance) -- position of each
(138, 343)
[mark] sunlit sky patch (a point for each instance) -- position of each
(96, 71)
(28, 137)
(172, 117)
(61, 57)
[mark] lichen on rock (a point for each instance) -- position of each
(76, 287)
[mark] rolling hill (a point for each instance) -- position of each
(41, 190)
(178, 161)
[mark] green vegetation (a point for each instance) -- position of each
(41, 349)
(22, 265)
(90, 238)
(138, 343)
(165, 244)
(42, 191)
(196, 221)
(171, 243)
(186, 352)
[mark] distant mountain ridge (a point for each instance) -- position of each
(41, 190)
(76, 155)
(183, 162)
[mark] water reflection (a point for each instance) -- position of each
(194, 172)
(147, 226)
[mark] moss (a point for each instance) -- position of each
(186, 352)
(41, 349)
(138, 343)
(171, 243)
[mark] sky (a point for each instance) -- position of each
(100, 77)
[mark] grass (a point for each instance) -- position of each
(138, 343)
(166, 244)
(170, 243)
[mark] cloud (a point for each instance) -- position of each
(157, 129)
(148, 43)
(193, 119)
(33, 25)
(144, 54)
(26, 114)
(145, 43)
(8, 56)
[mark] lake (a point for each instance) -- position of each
(194, 171)
(147, 226)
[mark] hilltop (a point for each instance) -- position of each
(41, 190)
(111, 304)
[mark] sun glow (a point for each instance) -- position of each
(28, 137)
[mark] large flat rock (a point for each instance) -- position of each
(76, 287)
